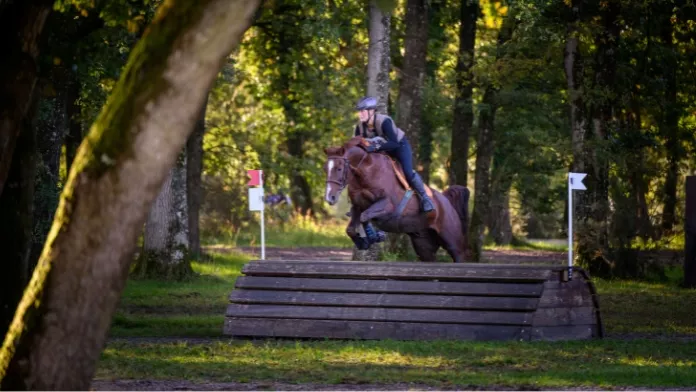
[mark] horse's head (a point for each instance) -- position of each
(336, 168)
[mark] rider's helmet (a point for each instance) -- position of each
(366, 103)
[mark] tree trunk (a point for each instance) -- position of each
(410, 101)
(165, 252)
(21, 23)
(499, 219)
(463, 104)
(194, 190)
(62, 321)
(52, 125)
(378, 66)
(74, 136)
(484, 155)
(16, 220)
(573, 68)
(378, 62)
(669, 127)
(690, 233)
(593, 233)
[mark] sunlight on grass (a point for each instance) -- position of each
(594, 363)
(296, 231)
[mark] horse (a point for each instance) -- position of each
(378, 192)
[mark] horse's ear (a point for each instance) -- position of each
(334, 151)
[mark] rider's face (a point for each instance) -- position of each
(364, 115)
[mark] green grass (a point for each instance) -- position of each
(662, 314)
(296, 231)
(594, 364)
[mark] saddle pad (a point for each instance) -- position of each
(400, 174)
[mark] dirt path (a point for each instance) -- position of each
(342, 254)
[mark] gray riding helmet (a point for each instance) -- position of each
(366, 103)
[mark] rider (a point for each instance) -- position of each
(371, 125)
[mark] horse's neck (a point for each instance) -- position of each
(373, 174)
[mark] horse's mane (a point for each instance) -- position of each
(357, 141)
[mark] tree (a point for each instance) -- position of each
(481, 213)
(194, 190)
(116, 175)
(22, 23)
(463, 104)
(378, 66)
(410, 101)
(165, 253)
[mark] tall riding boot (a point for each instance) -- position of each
(417, 184)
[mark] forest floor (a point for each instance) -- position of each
(166, 336)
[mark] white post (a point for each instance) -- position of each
(570, 228)
(263, 231)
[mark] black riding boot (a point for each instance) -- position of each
(417, 184)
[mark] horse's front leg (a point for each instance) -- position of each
(352, 229)
(380, 209)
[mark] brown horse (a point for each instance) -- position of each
(376, 194)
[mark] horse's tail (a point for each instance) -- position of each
(458, 196)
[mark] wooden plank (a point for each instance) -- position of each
(347, 270)
(389, 286)
(571, 332)
(566, 298)
(382, 300)
(578, 283)
(340, 329)
(380, 314)
(564, 316)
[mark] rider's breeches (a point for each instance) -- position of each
(405, 156)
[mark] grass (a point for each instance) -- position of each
(295, 231)
(662, 314)
(606, 364)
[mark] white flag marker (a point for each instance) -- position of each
(574, 183)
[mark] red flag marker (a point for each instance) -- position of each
(255, 177)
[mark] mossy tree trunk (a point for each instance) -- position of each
(62, 321)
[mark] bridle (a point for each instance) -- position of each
(347, 167)
(344, 177)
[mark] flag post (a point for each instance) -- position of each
(574, 182)
(256, 203)
(263, 229)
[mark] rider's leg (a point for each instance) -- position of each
(404, 156)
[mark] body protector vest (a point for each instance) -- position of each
(377, 131)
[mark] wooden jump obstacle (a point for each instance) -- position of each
(412, 301)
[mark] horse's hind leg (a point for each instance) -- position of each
(425, 244)
(454, 245)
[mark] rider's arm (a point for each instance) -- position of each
(390, 135)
